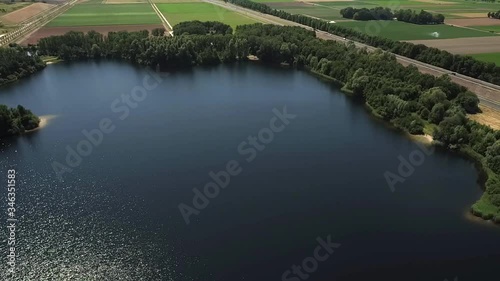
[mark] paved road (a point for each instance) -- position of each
(488, 93)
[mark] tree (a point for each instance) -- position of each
(437, 113)
(358, 82)
(468, 101)
(431, 97)
(158, 32)
(493, 157)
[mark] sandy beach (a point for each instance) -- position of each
(44, 121)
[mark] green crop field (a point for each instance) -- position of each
(100, 14)
(406, 31)
(179, 12)
(490, 57)
(494, 28)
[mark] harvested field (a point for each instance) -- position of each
(474, 22)
(476, 45)
(488, 117)
(50, 31)
(25, 13)
(470, 15)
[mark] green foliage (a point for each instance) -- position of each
(14, 121)
(432, 97)
(17, 62)
(422, 17)
(494, 15)
(202, 28)
(378, 13)
(158, 32)
(493, 157)
(462, 64)
(452, 130)
(468, 101)
(437, 113)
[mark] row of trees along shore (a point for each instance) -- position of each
(380, 13)
(494, 15)
(466, 65)
(403, 96)
(17, 62)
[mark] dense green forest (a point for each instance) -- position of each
(14, 121)
(198, 27)
(422, 17)
(380, 13)
(415, 102)
(17, 62)
(377, 13)
(494, 15)
(486, 71)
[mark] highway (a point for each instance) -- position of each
(488, 93)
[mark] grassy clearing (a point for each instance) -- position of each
(489, 57)
(400, 30)
(7, 8)
(100, 14)
(179, 12)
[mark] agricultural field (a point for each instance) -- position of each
(26, 12)
(490, 28)
(7, 8)
(102, 14)
(179, 12)
(120, 15)
(467, 28)
(489, 57)
(397, 30)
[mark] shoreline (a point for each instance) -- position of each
(484, 214)
(44, 121)
(425, 138)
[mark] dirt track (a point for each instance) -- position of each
(49, 31)
(476, 45)
(25, 13)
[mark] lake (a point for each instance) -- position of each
(307, 167)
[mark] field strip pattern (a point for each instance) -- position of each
(104, 14)
(36, 23)
(164, 21)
